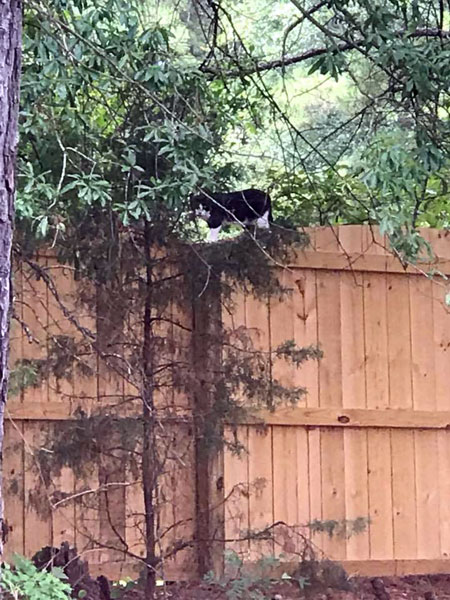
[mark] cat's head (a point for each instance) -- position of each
(201, 205)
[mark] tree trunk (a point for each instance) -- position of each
(149, 457)
(10, 62)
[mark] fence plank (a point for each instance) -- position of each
(377, 376)
(380, 494)
(351, 239)
(261, 488)
(13, 487)
(352, 341)
(404, 494)
(87, 516)
(60, 332)
(333, 488)
(356, 490)
(422, 343)
(440, 242)
(327, 239)
(399, 342)
(315, 481)
(354, 417)
(281, 329)
(38, 522)
(236, 481)
(441, 344)
(305, 331)
(35, 315)
(134, 515)
(285, 476)
(63, 517)
(329, 334)
(444, 491)
(427, 473)
(303, 492)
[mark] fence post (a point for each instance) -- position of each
(206, 355)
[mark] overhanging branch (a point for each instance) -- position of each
(313, 53)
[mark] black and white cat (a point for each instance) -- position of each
(243, 207)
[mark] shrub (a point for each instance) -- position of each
(24, 581)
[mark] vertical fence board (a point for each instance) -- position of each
(376, 344)
(304, 299)
(404, 494)
(327, 239)
(17, 336)
(237, 492)
(63, 517)
(87, 516)
(13, 487)
(261, 488)
(38, 522)
(351, 239)
(134, 516)
(281, 328)
(352, 341)
(441, 345)
(333, 488)
(285, 474)
(444, 491)
(60, 332)
(303, 495)
(356, 490)
(35, 315)
(380, 494)
(373, 241)
(329, 334)
(427, 474)
(315, 481)
(399, 342)
(422, 344)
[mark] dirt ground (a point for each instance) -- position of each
(426, 587)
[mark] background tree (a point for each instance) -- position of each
(10, 59)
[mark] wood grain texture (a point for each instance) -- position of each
(376, 341)
(304, 297)
(356, 490)
(404, 500)
(380, 494)
(352, 340)
(329, 335)
(285, 488)
(237, 492)
(260, 488)
(333, 488)
(13, 487)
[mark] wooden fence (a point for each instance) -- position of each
(370, 439)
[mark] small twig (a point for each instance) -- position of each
(25, 328)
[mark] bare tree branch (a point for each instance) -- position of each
(313, 53)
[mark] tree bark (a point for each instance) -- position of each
(10, 63)
(149, 457)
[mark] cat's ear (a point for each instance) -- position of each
(193, 201)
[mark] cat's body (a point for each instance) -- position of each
(243, 207)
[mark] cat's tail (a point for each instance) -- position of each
(269, 202)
